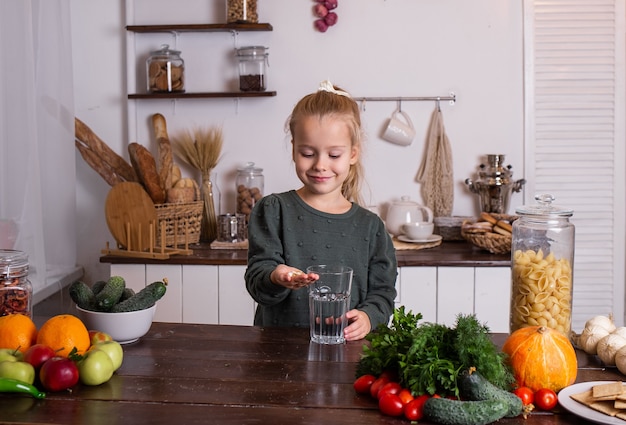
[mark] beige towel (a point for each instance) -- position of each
(436, 171)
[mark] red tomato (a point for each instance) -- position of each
(414, 410)
(363, 383)
(546, 399)
(389, 388)
(405, 395)
(526, 394)
(390, 405)
(377, 385)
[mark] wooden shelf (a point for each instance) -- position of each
(202, 95)
(199, 27)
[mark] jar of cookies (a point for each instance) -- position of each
(166, 71)
(249, 183)
(16, 291)
(542, 264)
(241, 11)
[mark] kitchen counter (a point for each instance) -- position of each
(200, 374)
(448, 254)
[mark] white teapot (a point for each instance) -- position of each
(405, 211)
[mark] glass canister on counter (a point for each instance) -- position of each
(165, 71)
(241, 11)
(249, 184)
(542, 263)
(16, 291)
(252, 63)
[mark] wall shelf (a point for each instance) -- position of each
(200, 27)
(206, 95)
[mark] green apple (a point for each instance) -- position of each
(21, 371)
(97, 336)
(10, 355)
(113, 349)
(95, 368)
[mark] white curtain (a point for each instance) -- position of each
(37, 165)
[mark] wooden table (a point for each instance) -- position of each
(217, 374)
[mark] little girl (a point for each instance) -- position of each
(321, 223)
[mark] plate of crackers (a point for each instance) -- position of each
(602, 402)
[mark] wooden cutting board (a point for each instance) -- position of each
(129, 212)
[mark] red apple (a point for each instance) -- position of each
(38, 354)
(58, 374)
(97, 336)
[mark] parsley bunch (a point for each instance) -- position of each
(428, 358)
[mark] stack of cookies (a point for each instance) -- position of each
(609, 398)
(490, 231)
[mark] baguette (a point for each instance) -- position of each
(165, 151)
(101, 167)
(145, 167)
(101, 157)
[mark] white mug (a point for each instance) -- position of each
(418, 230)
(399, 132)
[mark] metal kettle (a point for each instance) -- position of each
(494, 185)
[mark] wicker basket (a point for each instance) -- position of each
(490, 241)
(182, 222)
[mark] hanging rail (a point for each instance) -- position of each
(451, 98)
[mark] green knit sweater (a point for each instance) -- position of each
(283, 229)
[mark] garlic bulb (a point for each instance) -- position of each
(620, 360)
(608, 346)
(589, 338)
(605, 321)
(621, 331)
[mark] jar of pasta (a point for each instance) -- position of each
(16, 291)
(542, 260)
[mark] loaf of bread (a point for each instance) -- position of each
(145, 166)
(165, 151)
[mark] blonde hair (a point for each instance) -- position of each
(324, 103)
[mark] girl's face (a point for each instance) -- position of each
(323, 153)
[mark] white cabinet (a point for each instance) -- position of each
(216, 294)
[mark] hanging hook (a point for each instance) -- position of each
(399, 104)
(438, 104)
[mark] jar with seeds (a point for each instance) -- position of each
(16, 291)
(165, 71)
(241, 11)
(250, 182)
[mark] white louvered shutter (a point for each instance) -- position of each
(574, 141)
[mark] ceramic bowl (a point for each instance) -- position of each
(123, 327)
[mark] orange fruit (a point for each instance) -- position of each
(17, 332)
(63, 333)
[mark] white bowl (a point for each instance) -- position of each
(123, 327)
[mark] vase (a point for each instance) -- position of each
(208, 191)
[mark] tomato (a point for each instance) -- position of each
(526, 394)
(414, 410)
(363, 383)
(405, 395)
(546, 399)
(377, 385)
(390, 405)
(389, 388)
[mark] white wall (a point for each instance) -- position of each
(378, 48)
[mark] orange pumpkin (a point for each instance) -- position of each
(541, 357)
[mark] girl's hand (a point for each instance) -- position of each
(292, 278)
(359, 325)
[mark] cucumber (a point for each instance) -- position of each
(143, 299)
(97, 286)
(474, 386)
(82, 295)
(128, 292)
(456, 412)
(111, 293)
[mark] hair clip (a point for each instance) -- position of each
(328, 87)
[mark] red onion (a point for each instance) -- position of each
(321, 25)
(319, 10)
(330, 4)
(330, 19)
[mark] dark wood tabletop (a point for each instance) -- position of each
(449, 254)
(216, 374)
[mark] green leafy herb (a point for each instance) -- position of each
(429, 357)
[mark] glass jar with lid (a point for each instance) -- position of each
(241, 11)
(542, 264)
(165, 71)
(16, 291)
(249, 183)
(252, 63)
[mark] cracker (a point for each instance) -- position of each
(609, 389)
(605, 406)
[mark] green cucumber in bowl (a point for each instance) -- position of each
(143, 299)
